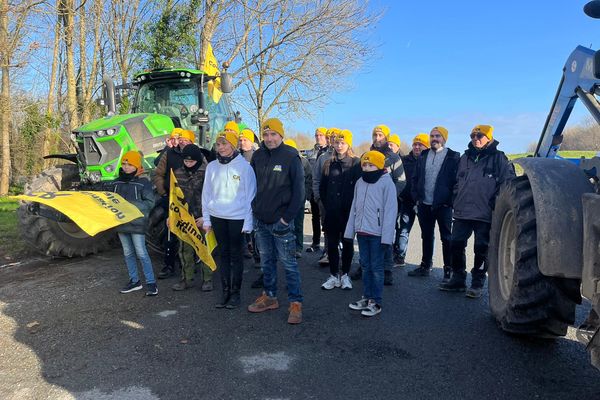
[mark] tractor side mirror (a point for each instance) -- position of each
(226, 82)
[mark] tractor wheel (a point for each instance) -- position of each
(522, 300)
(53, 238)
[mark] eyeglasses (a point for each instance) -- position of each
(478, 135)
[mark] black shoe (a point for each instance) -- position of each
(225, 295)
(234, 300)
(132, 287)
(257, 284)
(166, 272)
(356, 274)
(388, 279)
(399, 261)
(456, 284)
(152, 289)
(313, 249)
(421, 270)
(447, 274)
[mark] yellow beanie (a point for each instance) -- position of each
(183, 133)
(383, 129)
(275, 125)
(322, 130)
(345, 135)
(332, 132)
(231, 137)
(232, 126)
(422, 138)
(443, 131)
(487, 130)
(248, 134)
(133, 157)
(374, 157)
(291, 143)
(394, 139)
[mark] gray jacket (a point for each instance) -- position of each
(318, 171)
(479, 177)
(374, 209)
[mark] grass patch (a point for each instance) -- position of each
(11, 245)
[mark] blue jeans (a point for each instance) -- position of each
(407, 219)
(135, 244)
(371, 253)
(278, 242)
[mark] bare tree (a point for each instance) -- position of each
(66, 10)
(50, 137)
(13, 24)
(295, 53)
(87, 81)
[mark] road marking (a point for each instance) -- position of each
(266, 361)
(166, 313)
(132, 324)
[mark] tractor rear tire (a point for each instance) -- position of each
(522, 300)
(53, 238)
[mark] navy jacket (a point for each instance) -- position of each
(444, 184)
(138, 191)
(480, 175)
(279, 184)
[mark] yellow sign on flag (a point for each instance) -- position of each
(93, 212)
(211, 67)
(183, 225)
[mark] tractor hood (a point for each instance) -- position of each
(157, 121)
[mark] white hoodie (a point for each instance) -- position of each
(228, 192)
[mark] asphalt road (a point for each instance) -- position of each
(66, 333)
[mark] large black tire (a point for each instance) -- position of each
(52, 238)
(522, 300)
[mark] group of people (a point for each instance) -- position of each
(255, 194)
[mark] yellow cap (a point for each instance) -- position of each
(232, 126)
(383, 129)
(374, 157)
(345, 135)
(274, 124)
(183, 133)
(422, 138)
(443, 131)
(133, 157)
(322, 130)
(332, 131)
(248, 134)
(394, 139)
(231, 137)
(291, 143)
(487, 130)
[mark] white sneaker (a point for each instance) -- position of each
(331, 282)
(346, 282)
(359, 305)
(371, 310)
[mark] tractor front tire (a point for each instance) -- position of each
(522, 300)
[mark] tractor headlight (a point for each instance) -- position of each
(109, 168)
(95, 177)
(100, 133)
(182, 74)
(111, 131)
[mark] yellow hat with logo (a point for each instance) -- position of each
(383, 129)
(394, 139)
(248, 134)
(232, 126)
(487, 130)
(229, 136)
(374, 157)
(183, 133)
(322, 130)
(291, 143)
(443, 131)
(274, 124)
(422, 138)
(345, 135)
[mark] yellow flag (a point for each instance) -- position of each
(211, 67)
(93, 212)
(183, 225)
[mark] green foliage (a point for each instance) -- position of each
(170, 39)
(27, 147)
(11, 244)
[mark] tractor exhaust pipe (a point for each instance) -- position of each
(108, 94)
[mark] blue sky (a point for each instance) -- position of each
(462, 63)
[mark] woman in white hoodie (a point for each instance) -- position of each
(227, 194)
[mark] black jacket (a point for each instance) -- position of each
(336, 189)
(480, 175)
(410, 165)
(138, 191)
(169, 159)
(393, 163)
(444, 184)
(279, 184)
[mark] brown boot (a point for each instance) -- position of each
(263, 303)
(182, 285)
(295, 310)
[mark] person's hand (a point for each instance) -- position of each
(167, 221)
(206, 228)
(199, 222)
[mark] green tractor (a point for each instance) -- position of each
(161, 100)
